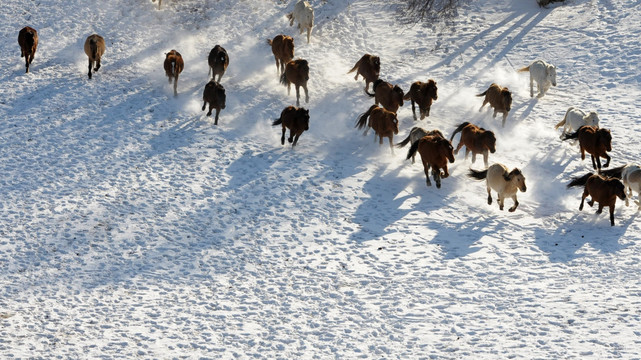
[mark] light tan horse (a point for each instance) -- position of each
(505, 183)
(94, 48)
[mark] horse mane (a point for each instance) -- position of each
(613, 173)
(509, 176)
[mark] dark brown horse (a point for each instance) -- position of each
(383, 122)
(388, 95)
(173, 65)
(297, 73)
(595, 141)
(500, 98)
(296, 120)
(218, 61)
(28, 41)
(214, 94)
(601, 189)
(283, 50)
(435, 152)
(416, 134)
(369, 67)
(94, 48)
(423, 94)
(476, 140)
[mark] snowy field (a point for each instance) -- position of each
(132, 227)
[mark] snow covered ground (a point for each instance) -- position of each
(132, 227)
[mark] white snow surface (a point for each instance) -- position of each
(132, 227)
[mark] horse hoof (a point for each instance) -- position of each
(512, 209)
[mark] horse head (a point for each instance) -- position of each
(507, 98)
(489, 140)
(551, 72)
(432, 89)
(398, 95)
(516, 177)
(605, 138)
(619, 188)
(375, 61)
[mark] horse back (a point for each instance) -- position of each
(94, 46)
(28, 40)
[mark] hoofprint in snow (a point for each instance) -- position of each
(132, 227)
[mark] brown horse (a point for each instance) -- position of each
(297, 73)
(28, 41)
(214, 94)
(173, 65)
(476, 140)
(369, 67)
(423, 94)
(500, 98)
(218, 61)
(435, 152)
(505, 183)
(595, 141)
(296, 120)
(388, 95)
(416, 134)
(94, 48)
(383, 122)
(601, 189)
(283, 50)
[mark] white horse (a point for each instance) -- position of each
(304, 14)
(543, 73)
(631, 176)
(505, 183)
(575, 118)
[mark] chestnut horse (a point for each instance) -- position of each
(28, 41)
(595, 141)
(603, 190)
(296, 120)
(218, 61)
(297, 73)
(173, 65)
(423, 94)
(416, 134)
(214, 94)
(500, 98)
(383, 122)
(476, 140)
(435, 152)
(369, 67)
(388, 95)
(283, 50)
(94, 48)
(505, 183)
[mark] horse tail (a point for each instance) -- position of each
(562, 122)
(574, 135)
(478, 175)
(93, 45)
(358, 63)
(269, 42)
(579, 181)
(459, 128)
(613, 173)
(404, 142)
(290, 16)
(277, 122)
(527, 68)
(412, 151)
(483, 93)
(283, 79)
(362, 118)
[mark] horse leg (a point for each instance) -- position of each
(484, 102)
(414, 110)
(97, 65)
(436, 173)
(216, 119)
(26, 61)
(494, 114)
(607, 160)
(426, 169)
(600, 209)
(278, 67)
(204, 105)
(309, 33)
(458, 147)
(531, 86)
(296, 139)
(612, 214)
(89, 68)
(210, 108)
(504, 117)
(585, 194)
(306, 93)
(282, 138)
(391, 145)
(473, 157)
(290, 139)
(516, 203)
(501, 201)
(486, 155)
(467, 152)
(597, 164)
(489, 195)
(446, 172)
(297, 94)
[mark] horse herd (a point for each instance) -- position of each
(434, 148)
